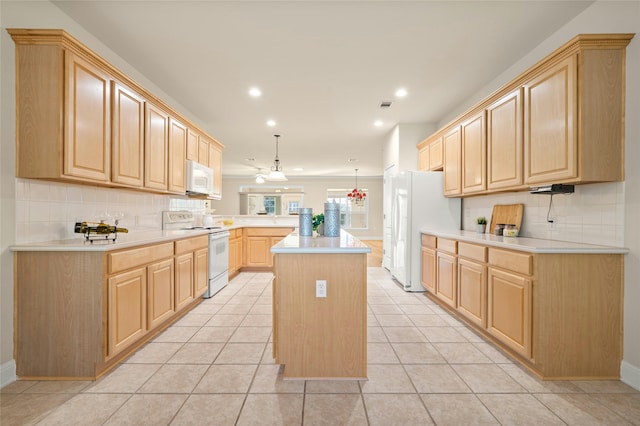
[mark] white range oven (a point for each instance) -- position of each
(218, 247)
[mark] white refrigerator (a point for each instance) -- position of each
(417, 203)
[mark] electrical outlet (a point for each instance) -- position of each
(321, 288)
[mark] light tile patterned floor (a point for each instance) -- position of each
(214, 367)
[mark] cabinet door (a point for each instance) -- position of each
(233, 256)
(160, 292)
(451, 164)
(472, 291)
(509, 310)
(504, 142)
(201, 271)
(435, 155)
(423, 159)
(127, 156)
(203, 151)
(184, 280)
(177, 156)
(127, 309)
(215, 162)
(87, 148)
(447, 278)
(474, 155)
(428, 276)
(156, 147)
(258, 254)
(550, 117)
(193, 141)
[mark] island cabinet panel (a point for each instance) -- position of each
(317, 337)
(504, 142)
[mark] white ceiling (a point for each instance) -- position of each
(323, 67)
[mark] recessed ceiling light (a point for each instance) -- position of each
(255, 92)
(250, 159)
(271, 123)
(401, 93)
(352, 160)
(378, 123)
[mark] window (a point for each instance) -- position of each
(352, 215)
(293, 207)
(270, 204)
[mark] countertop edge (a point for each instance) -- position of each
(526, 244)
(345, 244)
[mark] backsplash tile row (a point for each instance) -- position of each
(593, 214)
(47, 211)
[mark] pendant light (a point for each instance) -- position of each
(260, 177)
(276, 173)
(358, 196)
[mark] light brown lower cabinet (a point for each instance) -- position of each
(257, 244)
(113, 301)
(558, 314)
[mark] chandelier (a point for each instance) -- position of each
(357, 195)
(276, 173)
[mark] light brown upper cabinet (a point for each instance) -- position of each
(504, 142)
(203, 151)
(550, 142)
(423, 158)
(574, 118)
(193, 141)
(127, 161)
(436, 154)
(156, 147)
(215, 162)
(79, 119)
(452, 160)
(474, 154)
(64, 115)
(177, 156)
(560, 121)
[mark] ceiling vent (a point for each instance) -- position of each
(385, 104)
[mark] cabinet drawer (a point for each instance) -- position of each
(268, 232)
(510, 260)
(126, 259)
(447, 245)
(191, 244)
(472, 251)
(428, 241)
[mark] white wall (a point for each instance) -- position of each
(315, 194)
(596, 213)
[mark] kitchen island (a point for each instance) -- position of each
(320, 307)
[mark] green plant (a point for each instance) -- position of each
(316, 220)
(481, 220)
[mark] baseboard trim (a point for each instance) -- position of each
(7, 373)
(630, 374)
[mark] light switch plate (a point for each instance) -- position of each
(321, 288)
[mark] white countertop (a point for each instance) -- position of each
(532, 245)
(345, 243)
(127, 240)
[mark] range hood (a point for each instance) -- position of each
(556, 188)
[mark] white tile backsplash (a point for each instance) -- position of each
(593, 214)
(47, 211)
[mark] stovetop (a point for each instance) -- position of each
(180, 220)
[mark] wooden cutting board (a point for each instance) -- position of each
(507, 214)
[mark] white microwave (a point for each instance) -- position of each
(199, 179)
